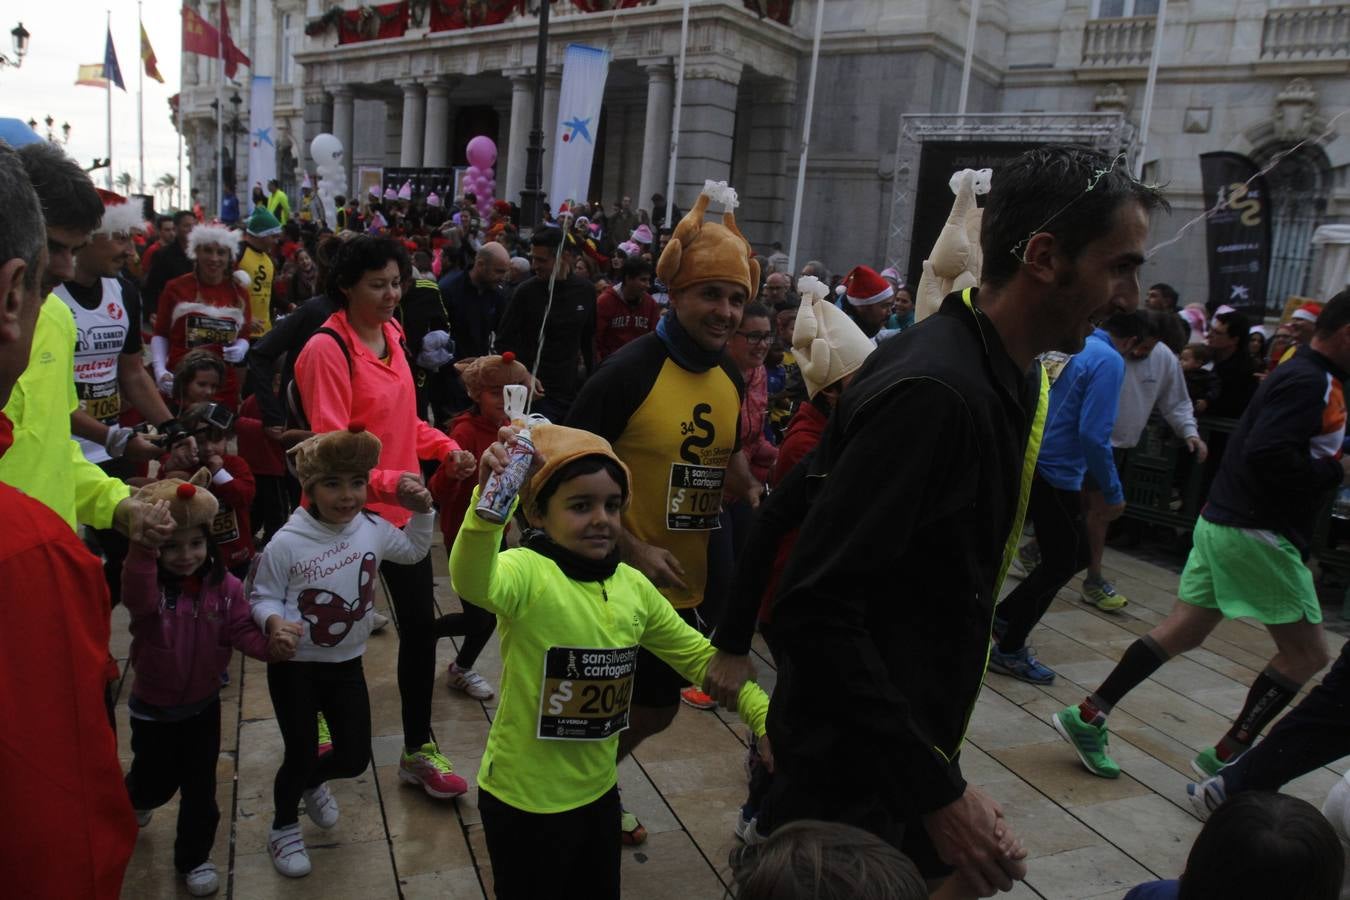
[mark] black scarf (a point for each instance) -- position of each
(573, 565)
(683, 348)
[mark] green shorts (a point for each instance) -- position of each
(1244, 573)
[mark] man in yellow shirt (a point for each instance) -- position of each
(260, 236)
(278, 204)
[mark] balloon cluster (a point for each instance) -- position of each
(478, 178)
(327, 151)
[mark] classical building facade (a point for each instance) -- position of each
(1248, 76)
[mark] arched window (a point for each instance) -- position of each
(1298, 185)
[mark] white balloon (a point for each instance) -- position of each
(325, 148)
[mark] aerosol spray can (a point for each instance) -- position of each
(494, 503)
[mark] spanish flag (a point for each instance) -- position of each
(148, 57)
(91, 76)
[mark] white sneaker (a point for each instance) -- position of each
(203, 880)
(143, 816)
(470, 682)
(321, 807)
(289, 855)
(378, 621)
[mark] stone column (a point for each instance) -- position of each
(707, 126)
(436, 145)
(343, 105)
(414, 118)
(318, 119)
(522, 110)
(764, 183)
(656, 134)
(552, 88)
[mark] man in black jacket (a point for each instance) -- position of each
(904, 636)
(170, 262)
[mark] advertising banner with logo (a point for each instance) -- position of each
(1237, 232)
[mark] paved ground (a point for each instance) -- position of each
(1087, 837)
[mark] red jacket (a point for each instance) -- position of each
(335, 393)
(759, 452)
(617, 323)
(263, 455)
(473, 432)
(803, 433)
(77, 830)
(232, 529)
(193, 315)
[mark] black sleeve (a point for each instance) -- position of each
(158, 277)
(518, 330)
(587, 335)
(131, 299)
(781, 511)
(286, 337)
(1289, 417)
(609, 398)
(423, 313)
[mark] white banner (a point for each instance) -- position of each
(583, 88)
(262, 151)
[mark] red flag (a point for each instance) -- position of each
(199, 35)
(233, 55)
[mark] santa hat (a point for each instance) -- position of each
(501, 207)
(190, 503)
(483, 373)
(891, 274)
(642, 235)
(119, 215)
(433, 199)
(1308, 312)
(262, 223)
(700, 251)
(630, 248)
(826, 343)
(864, 287)
(218, 235)
(557, 446)
(1194, 317)
(390, 194)
(351, 452)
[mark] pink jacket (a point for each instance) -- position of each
(381, 397)
(759, 452)
(179, 653)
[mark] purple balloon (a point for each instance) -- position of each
(482, 151)
(473, 172)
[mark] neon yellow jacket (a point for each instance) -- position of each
(545, 620)
(45, 463)
(279, 205)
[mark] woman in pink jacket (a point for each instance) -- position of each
(355, 369)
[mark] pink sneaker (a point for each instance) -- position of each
(432, 771)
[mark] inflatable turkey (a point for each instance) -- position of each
(954, 263)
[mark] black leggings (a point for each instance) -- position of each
(1062, 537)
(567, 854)
(411, 593)
(475, 624)
(179, 758)
(301, 690)
(277, 495)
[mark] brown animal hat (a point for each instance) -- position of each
(702, 251)
(558, 445)
(190, 503)
(351, 452)
(483, 373)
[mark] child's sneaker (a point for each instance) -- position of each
(325, 737)
(470, 682)
(320, 806)
(1089, 741)
(747, 826)
(143, 816)
(203, 880)
(378, 621)
(430, 770)
(287, 848)
(1207, 796)
(694, 696)
(1022, 665)
(1102, 594)
(631, 831)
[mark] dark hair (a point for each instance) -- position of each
(635, 266)
(1335, 315)
(1238, 326)
(1156, 322)
(1257, 333)
(353, 257)
(422, 260)
(551, 236)
(1201, 352)
(1127, 324)
(212, 571)
(292, 230)
(810, 860)
(1070, 192)
(756, 310)
(161, 219)
(339, 200)
(585, 465)
(23, 233)
(195, 361)
(68, 197)
(183, 214)
(1260, 844)
(1167, 291)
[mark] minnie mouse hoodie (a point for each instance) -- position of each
(324, 575)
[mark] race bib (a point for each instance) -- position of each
(586, 693)
(200, 330)
(694, 498)
(225, 526)
(101, 401)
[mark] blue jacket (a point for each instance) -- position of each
(1083, 403)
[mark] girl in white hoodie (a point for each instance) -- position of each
(319, 570)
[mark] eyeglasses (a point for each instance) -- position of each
(756, 337)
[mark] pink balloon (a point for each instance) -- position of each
(473, 172)
(482, 151)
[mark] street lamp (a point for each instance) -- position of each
(236, 128)
(532, 211)
(20, 36)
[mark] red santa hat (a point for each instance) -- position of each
(120, 216)
(1308, 312)
(864, 287)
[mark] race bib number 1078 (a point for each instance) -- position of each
(586, 692)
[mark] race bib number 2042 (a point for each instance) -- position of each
(586, 692)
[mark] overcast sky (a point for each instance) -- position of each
(67, 33)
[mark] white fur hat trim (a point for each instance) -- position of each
(212, 234)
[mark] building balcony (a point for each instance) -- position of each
(1111, 43)
(1307, 33)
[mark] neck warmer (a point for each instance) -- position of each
(682, 348)
(573, 565)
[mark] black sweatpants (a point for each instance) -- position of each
(411, 595)
(276, 497)
(1062, 536)
(475, 625)
(301, 690)
(1312, 734)
(179, 758)
(566, 854)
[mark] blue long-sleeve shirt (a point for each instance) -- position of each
(1083, 404)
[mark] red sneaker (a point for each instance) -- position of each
(697, 699)
(430, 770)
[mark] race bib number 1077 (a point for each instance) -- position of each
(586, 692)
